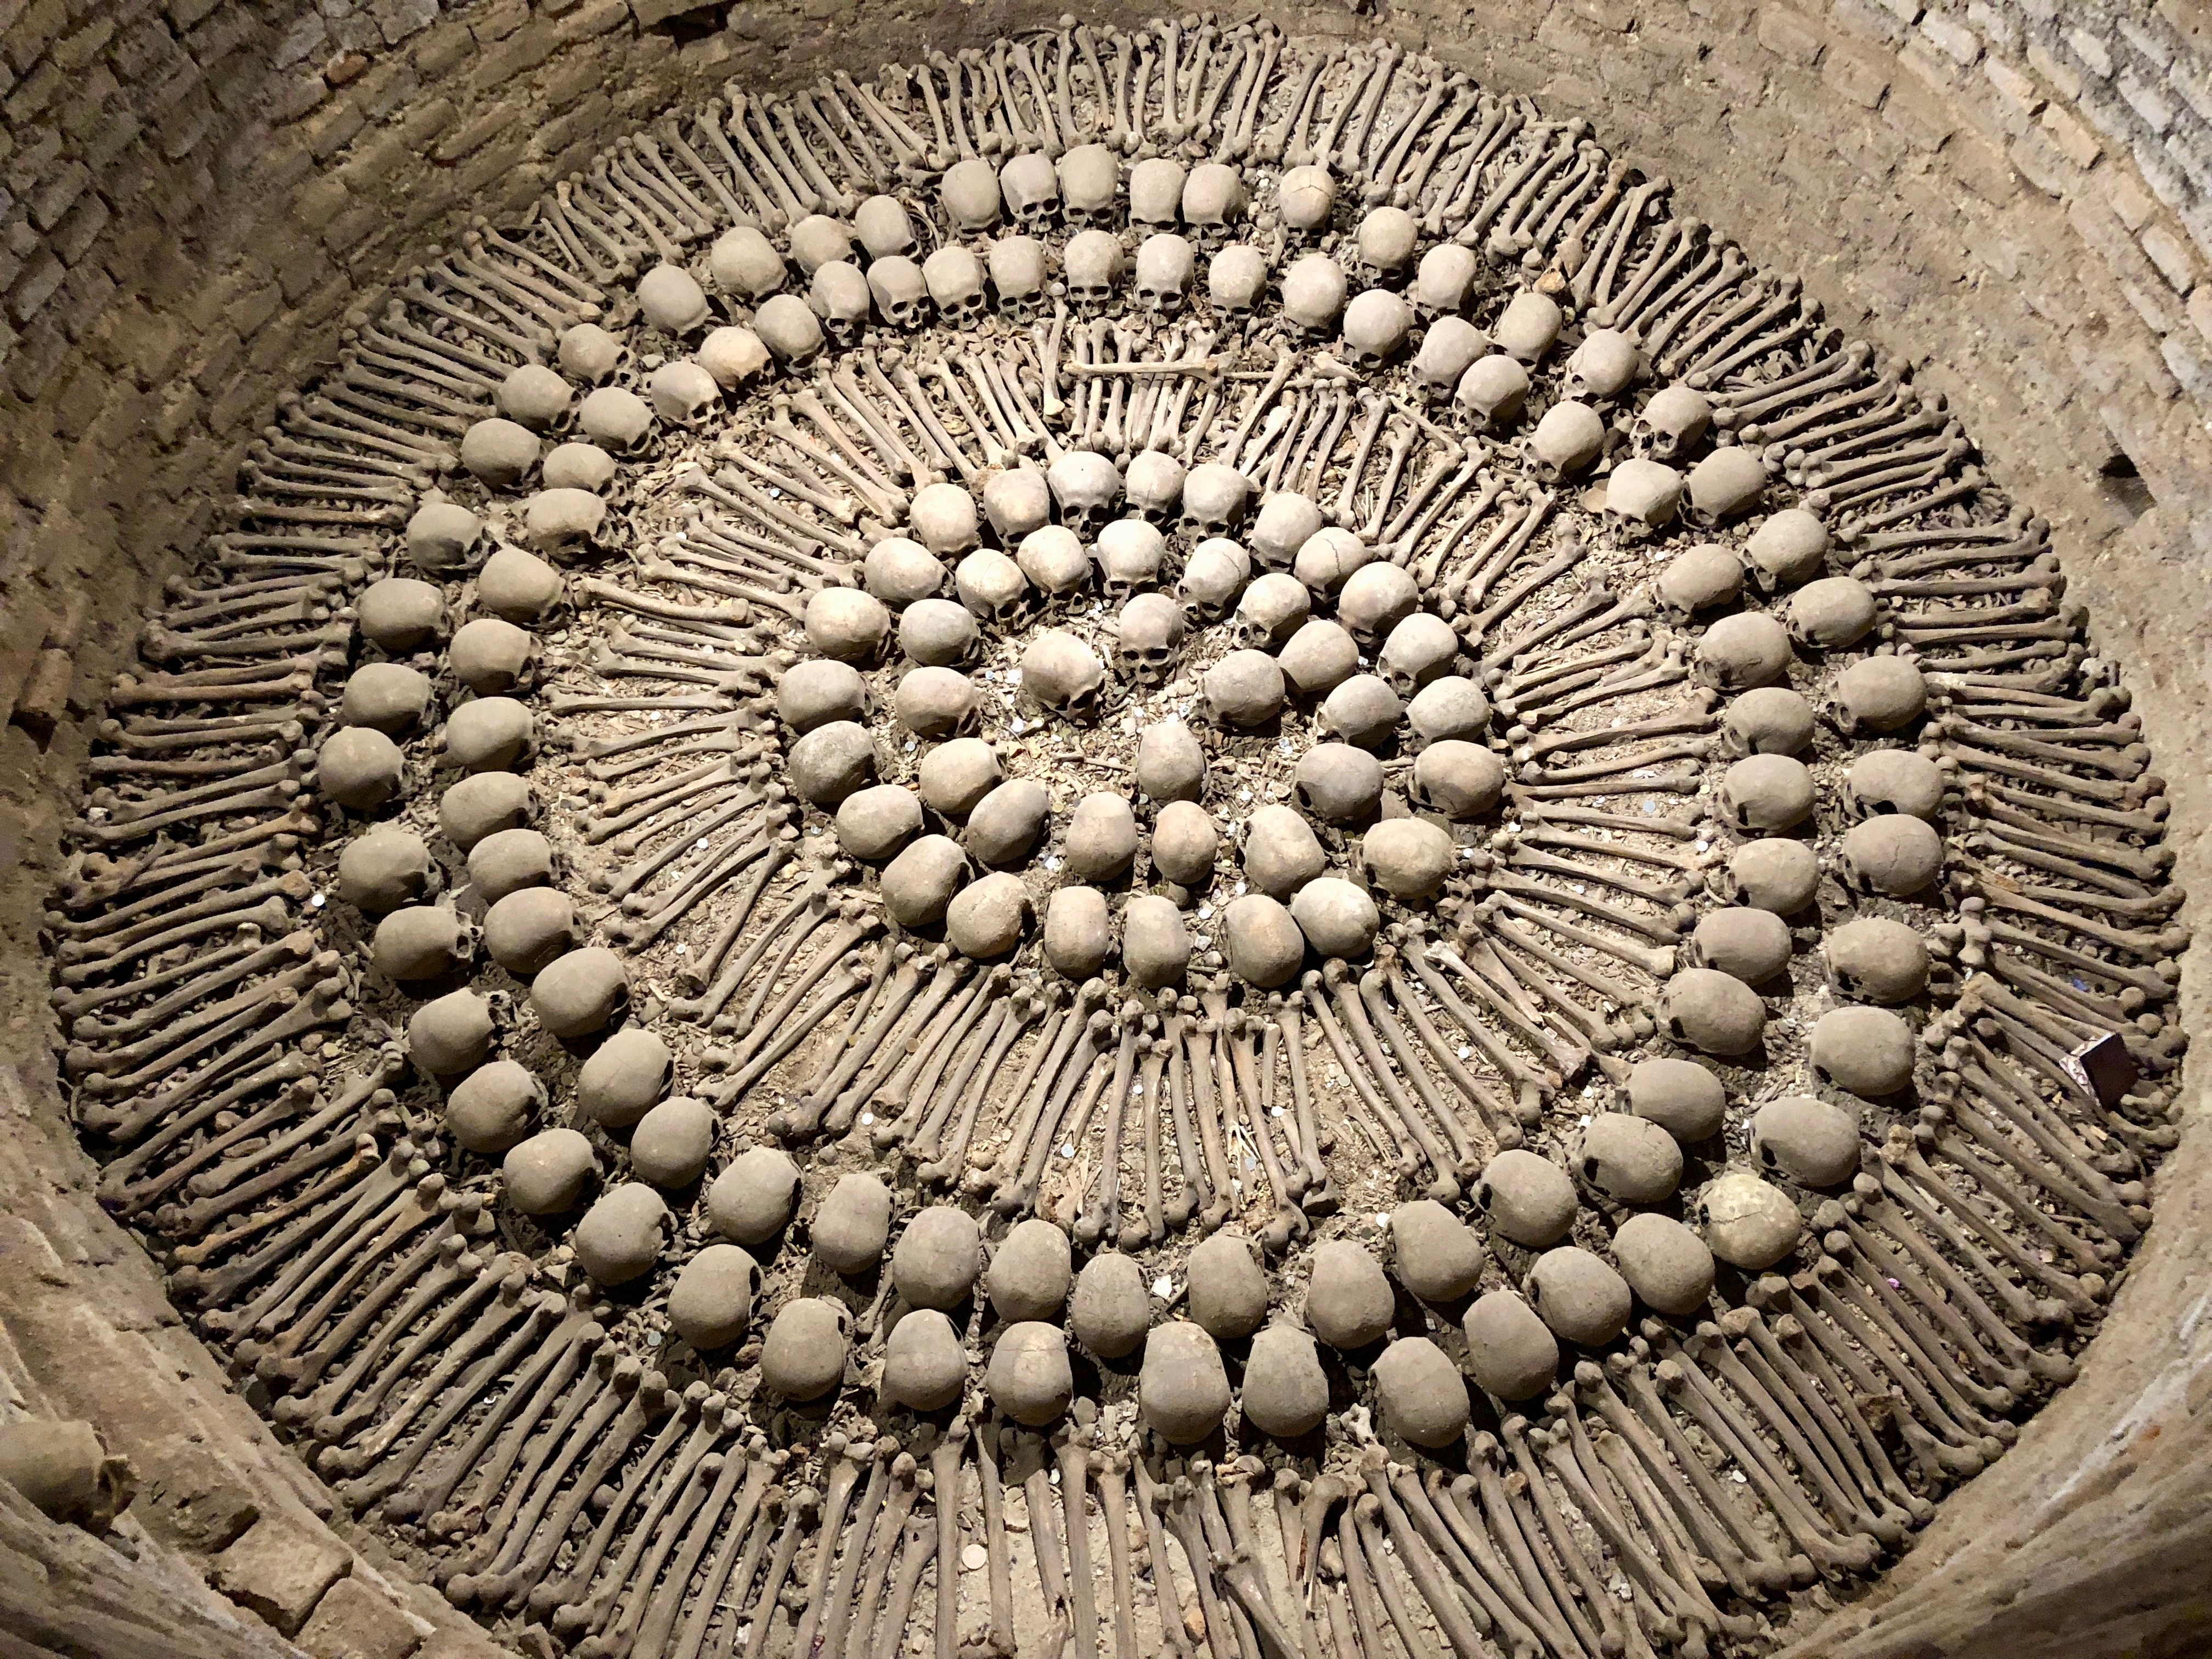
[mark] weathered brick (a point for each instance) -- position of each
(444, 47)
(2020, 94)
(2149, 102)
(2075, 142)
(2091, 51)
(34, 93)
(41, 277)
(279, 1572)
(80, 228)
(2061, 76)
(495, 20)
(473, 136)
(352, 1619)
(57, 194)
(332, 130)
(517, 55)
(592, 20)
(1856, 76)
(1951, 37)
(2172, 257)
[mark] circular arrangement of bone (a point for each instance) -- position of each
(1166, 769)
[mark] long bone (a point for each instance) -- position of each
(364, 1405)
(193, 1220)
(1041, 1086)
(936, 1158)
(1201, 1178)
(622, 1635)
(1942, 1442)
(918, 1030)
(799, 1515)
(748, 122)
(633, 201)
(486, 1457)
(875, 1535)
(1405, 1126)
(802, 1119)
(128, 1190)
(1646, 1620)
(2070, 1299)
(909, 1091)
(1172, 1500)
(1066, 1110)
(1366, 1566)
(845, 1459)
(1072, 1449)
(1367, 1012)
(1497, 1117)
(132, 1066)
(125, 1120)
(1649, 1504)
(1545, 1558)
(1152, 1229)
(1203, 1081)
(853, 975)
(438, 1262)
(746, 1505)
(615, 1383)
(1234, 1072)
(1223, 1506)
(1464, 1622)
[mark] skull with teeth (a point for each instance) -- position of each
(955, 278)
(1062, 675)
(1017, 275)
(1090, 179)
(1489, 394)
(1031, 189)
(1273, 607)
(969, 193)
(1166, 267)
(901, 295)
(1237, 281)
(590, 354)
(1091, 263)
(1130, 554)
(1156, 193)
(1213, 199)
(883, 226)
(1147, 634)
(1641, 497)
(1672, 424)
(817, 240)
(1605, 365)
(1286, 521)
(992, 587)
(1376, 325)
(1212, 577)
(841, 297)
(1085, 485)
(1420, 649)
(1444, 280)
(1312, 294)
(788, 326)
(1155, 485)
(1449, 350)
(1214, 497)
(684, 392)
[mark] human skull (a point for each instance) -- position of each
(883, 226)
(1448, 351)
(1893, 855)
(744, 263)
(955, 277)
(1017, 275)
(1090, 263)
(1147, 632)
(970, 194)
(1642, 496)
(1448, 709)
(993, 587)
(1672, 424)
(1831, 614)
(1156, 193)
(1130, 554)
(684, 392)
(1212, 577)
(901, 295)
(841, 297)
(537, 398)
(1445, 279)
(943, 518)
(1900, 781)
(1166, 267)
(670, 300)
(733, 355)
(1214, 497)
(1376, 599)
(1090, 178)
(1727, 484)
(442, 538)
(1285, 523)
(565, 523)
(1490, 393)
(1017, 500)
(939, 632)
(499, 452)
(817, 240)
(1363, 711)
(1237, 281)
(1154, 485)
(1376, 325)
(1306, 197)
(1061, 674)
(1213, 199)
(1273, 607)
(1877, 694)
(1419, 648)
(1567, 441)
(616, 419)
(788, 326)
(1528, 327)
(1031, 188)
(1053, 559)
(1386, 240)
(1602, 367)
(1084, 484)
(588, 353)
(1313, 293)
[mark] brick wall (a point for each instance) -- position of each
(2014, 195)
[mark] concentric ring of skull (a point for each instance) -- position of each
(1293, 661)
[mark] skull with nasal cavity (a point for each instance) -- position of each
(1214, 497)
(1376, 325)
(995, 589)
(1213, 200)
(955, 277)
(1092, 265)
(1672, 423)
(883, 226)
(1030, 186)
(1212, 577)
(1237, 281)
(1062, 675)
(1089, 182)
(1084, 486)
(1154, 485)
(1017, 275)
(1130, 555)
(1641, 497)
(1604, 366)
(1166, 267)
(1148, 631)
(842, 298)
(682, 392)
(1156, 193)
(900, 293)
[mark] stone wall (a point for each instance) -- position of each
(2015, 196)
